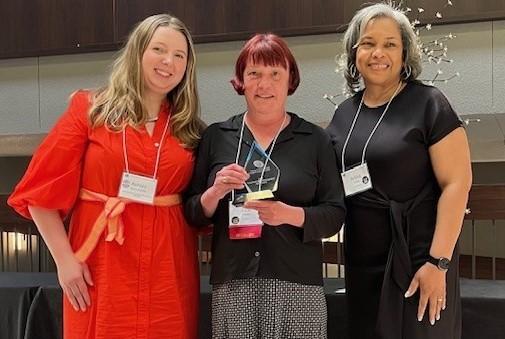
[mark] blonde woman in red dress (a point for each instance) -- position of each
(128, 266)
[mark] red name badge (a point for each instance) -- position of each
(244, 223)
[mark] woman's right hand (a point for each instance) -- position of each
(73, 275)
(74, 278)
(230, 177)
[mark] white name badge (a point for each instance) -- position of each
(356, 180)
(137, 188)
(244, 223)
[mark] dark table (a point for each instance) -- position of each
(30, 303)
(30, 307)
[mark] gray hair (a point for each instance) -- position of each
(412, 67)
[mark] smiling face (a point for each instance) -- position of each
(379, 53)
(265, 88)
(164, 61)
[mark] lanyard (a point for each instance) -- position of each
(239, 148)
(157, 154)
(373, 130)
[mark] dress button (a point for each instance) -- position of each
(156, 144)
(256, 254)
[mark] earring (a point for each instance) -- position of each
(406, 72)
(353, 71)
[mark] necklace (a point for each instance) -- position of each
(381, 102)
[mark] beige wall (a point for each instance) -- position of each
(34, 91)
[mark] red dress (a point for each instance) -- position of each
(148, 286)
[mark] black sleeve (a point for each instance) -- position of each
(326, 216)
(440, 118)
(193, 209)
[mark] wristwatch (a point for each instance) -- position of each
(441, 263)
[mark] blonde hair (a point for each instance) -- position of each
(412, 64)
(121, 102)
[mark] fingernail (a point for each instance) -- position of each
(407, 294)
(443, 307)
(438, 317)
(432, 322)
(419, 318)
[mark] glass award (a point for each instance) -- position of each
(263, 174)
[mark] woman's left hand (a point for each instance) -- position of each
(431, 282)
(276, 213)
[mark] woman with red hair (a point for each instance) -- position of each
(266, 254)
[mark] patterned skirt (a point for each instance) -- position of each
(259, 308)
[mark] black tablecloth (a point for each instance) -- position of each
(18, 291)
(30, 307)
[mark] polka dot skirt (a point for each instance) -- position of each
(260, 308)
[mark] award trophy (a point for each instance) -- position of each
(263, 175)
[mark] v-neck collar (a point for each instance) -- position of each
(297, 125)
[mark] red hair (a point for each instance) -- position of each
(270, 50)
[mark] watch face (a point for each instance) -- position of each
(443, 263)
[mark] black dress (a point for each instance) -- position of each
(389, 228)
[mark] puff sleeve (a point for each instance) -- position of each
(52, 179)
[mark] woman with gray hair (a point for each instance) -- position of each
(405, 165)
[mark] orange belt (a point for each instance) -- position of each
(111, 217)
